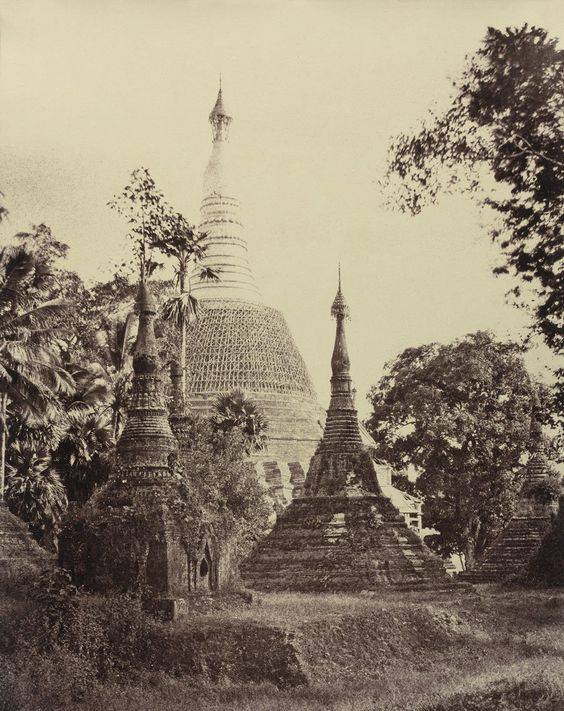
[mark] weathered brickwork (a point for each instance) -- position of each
(343, 534)
(520, 540)
(133, 537)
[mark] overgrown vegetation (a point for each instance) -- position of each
(463, 415)
(62, 649)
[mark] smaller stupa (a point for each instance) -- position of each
(516, 546)
(342, 534)
(19, 551)
(134, 537)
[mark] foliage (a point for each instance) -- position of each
(547, 490)
(461, 414)
(216, 487)
(505, 117)
(76, 335)
(402, 482)
(142, 204)
(546, 569)
(223, 484)
(235, 411)
(34, 491)
(81, 457)
(54, 596)
(31, 374)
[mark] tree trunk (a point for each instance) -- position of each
(3, 409)
(182, 286)
(470, 554)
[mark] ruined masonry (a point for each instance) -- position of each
(18, 547)
(343, 534)
(517, 544)
(171, 566)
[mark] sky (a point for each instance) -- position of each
(91, 89)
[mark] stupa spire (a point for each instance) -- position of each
(226, 246)
(220, 118)
(146, 443)
(341, 427)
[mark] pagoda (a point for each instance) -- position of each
(516, 546)
(342, 534)
(240, 343)
(151, 548)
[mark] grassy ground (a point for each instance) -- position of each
(473, 651)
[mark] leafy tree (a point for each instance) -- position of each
(402, 482)
(222, 485)
(235, 411)
(4, 212)
(77, 339)
(461, 415)
(156, 227)
(505, 118)
(142, 204)
(31, 375)
(35, 492)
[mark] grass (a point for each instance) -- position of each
(469, 651)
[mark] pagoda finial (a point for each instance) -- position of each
(219, 117)
(341, 428)
(339, 308)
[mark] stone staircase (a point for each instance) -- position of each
(343, 544)
(511, 551)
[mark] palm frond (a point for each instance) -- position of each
(17, 265)
(180, 308)
(38, 314)
(208, 274)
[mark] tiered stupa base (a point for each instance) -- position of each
(343, 544)
(18, 547)
(512, 550)
(240, 345)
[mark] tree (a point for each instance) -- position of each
(4, 212)
(461, 414)
(222, 486)
(31, 375)
(81, 457)
(143, 206)
(235, 411)
(35, 492)
(186, 247)
(76, 341)
(156, 226)
(505, 116)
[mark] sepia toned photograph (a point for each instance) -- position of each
(281, 339)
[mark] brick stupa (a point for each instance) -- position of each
(343, 534)
(157, 553)
(241, 343)
(516, 546)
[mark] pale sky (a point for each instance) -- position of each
(91, 89)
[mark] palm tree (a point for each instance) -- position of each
(186, 247)
(31, 375)
(233, 410)
(81, 457)
(34, 491)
